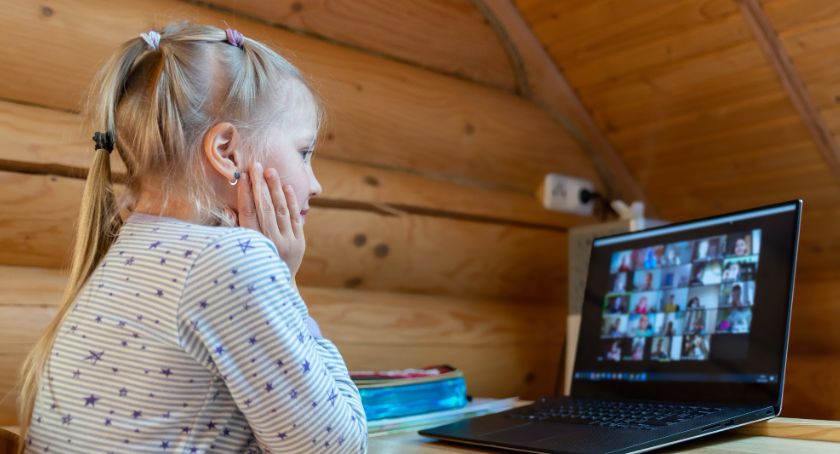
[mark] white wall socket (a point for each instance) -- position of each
(562, 193)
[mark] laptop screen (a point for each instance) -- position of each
(696, 311)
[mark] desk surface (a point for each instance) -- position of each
(779, 435)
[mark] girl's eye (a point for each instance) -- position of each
(306, 154)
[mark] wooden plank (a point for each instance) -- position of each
(380, 111)
(690, 42)
(359, 316)
(595, 28)
(691, 126)
(548, 87)
(505, 348)
(796, 89)
(699, 83)
(41, 139)
(812, 387)
(815, 311)
(803, 429)
(20, 329)
(345, 248)
(790, 17)
(450, 36)
(410, 442)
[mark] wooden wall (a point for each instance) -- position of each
(428, 245)
(697, 110)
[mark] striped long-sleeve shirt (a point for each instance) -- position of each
(191, 339)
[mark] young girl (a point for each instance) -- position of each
(181, 329)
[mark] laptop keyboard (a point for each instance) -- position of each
(613, 414)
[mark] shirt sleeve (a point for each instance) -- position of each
(240, 310)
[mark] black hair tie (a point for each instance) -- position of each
(104, 141)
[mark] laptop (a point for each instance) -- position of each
(684, 333)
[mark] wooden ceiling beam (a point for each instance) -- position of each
(778, 58)
(541, 81)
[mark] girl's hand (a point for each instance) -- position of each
(267, 207)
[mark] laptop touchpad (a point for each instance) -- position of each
(530, 433)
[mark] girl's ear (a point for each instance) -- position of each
(221, 146)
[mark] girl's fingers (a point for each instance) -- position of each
(265, 207)
(279, 200)
(247, 210)
(294, 210)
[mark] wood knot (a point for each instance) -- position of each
(469, 128)
(530, 377)
(381, 250)
(371, 181)
(359, 240)
(353, 282)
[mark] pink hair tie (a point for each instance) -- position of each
(235, 38)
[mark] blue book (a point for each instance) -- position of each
(392, 394)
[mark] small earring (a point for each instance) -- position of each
(235, 178)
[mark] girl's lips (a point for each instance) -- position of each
(303, 213)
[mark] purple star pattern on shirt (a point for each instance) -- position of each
(203, 304)
(184, 237)
(77, 373)
(226, 432)
(269, 386)
(188, 253)
(300, 337)
(123, 392)
(245, 246)
(129, 261)
(252, 340)
(211, 425)
(65, 420)
(220, 350)
(293, 394)
(160, 292)
(98, 319)
(162, 261)
(186, 429)
(94, 357)
(121, 324)
(306, 366)
(107, 421)
(164, 444)
(282, 435)
(136, 414)
(154, 245)
(91, 400)
(232, 287)
(332, 397)
(166, 371)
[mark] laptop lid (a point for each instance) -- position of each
(696, 311)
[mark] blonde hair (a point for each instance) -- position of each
(160, 101)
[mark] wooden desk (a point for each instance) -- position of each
(779, 435)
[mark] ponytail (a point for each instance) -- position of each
(97, 226)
